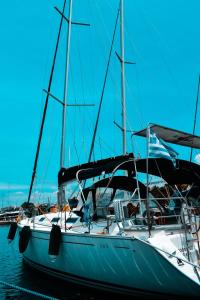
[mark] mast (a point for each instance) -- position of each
(45, 108)
(123, 77)
(63, 137)
(122, 62)
(61, 194)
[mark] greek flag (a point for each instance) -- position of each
(158, 148)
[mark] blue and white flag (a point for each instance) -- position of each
(158, 148)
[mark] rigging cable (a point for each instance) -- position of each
(51, 148)
(82, 119)
(195, 117)
(46, 105)
(116, 88)
(116, 85)
(104, 84)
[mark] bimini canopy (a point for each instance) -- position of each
(173, 136)
(92, 169)
(118, 183)
(184, 172)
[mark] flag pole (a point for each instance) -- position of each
(147, 172)
(136, 174)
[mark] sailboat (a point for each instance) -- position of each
(116, 234)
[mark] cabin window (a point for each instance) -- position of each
(55, 220)
(123, 195)
(89, 197)
(42, 219)
(88, 210)
(103, 196)
(71, 220)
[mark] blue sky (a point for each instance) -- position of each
(162, 37)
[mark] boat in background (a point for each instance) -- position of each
(10, 214)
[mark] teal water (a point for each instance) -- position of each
(14, 271)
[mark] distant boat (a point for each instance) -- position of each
(114, 234)
(9, 215)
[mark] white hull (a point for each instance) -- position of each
(120, 264)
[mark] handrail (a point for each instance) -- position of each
(137, 189)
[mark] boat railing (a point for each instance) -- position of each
(163, 203)
(159, 214)
(151, 198)
(141, 218)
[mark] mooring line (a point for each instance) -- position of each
(27, 291)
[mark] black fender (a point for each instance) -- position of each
(54, 240)
(12, 231)
(24, 237)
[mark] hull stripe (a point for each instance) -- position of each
(75, 243)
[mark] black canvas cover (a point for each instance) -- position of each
(92, 169)
(184, 171)
(173, 136)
